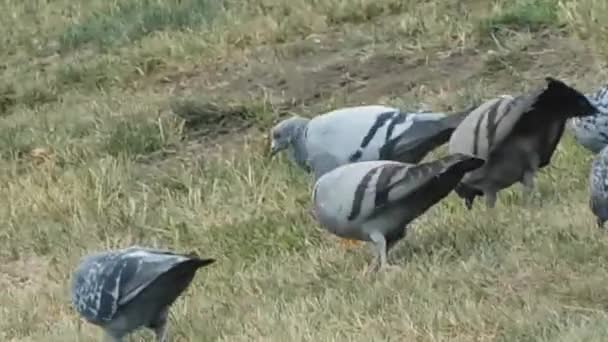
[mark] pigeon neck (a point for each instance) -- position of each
(300, 155)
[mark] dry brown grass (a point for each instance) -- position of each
(93, 158)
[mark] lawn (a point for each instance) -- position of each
(146, 122)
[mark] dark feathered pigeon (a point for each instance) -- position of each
(598, 187)
(376, 200)
(516, 136)
(592, 131)
(124, 290)
(364, 133)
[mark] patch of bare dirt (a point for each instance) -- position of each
(356, 75)
(306, 75)
(363, 74)
(27, 273)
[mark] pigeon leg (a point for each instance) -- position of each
(390, 244)
(468, 202)
(600, 223)
(161, 333)
(528, 183)
(110, 337)
(160, 326)
(373, 265)
(380, 245)
(396, 238)
(490, 199)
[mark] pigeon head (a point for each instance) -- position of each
(565, 101)
(284, 133)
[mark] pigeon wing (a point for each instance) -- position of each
(349, 134)
(106, 281)
(95, 293)
(490, 124)
(141, 268)
(389, 183)
(427, 132)
(417, 176)
(552, 134)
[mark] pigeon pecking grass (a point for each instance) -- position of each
(598, 187)
(363, 133)
(374, 201)
(125, 290)
(516, 136)
(592, 131)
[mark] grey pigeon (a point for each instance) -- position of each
(592, 131)
(598, 187)
(516, 136)
(124, 290)
(375, 200)
(363, 133)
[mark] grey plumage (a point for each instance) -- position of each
(363, 133)
(592, 131)
(376, 200)
(322, 163)
(598, 187)
(124, 290)
(516, 136)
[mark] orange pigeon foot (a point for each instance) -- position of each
(350, 244)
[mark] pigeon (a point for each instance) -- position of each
(592, 131)
(598, 187)
(516, 136)
(363, 133)
(124, 290)
(374, 201)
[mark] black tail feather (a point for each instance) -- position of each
(197, 261)
(559, 97)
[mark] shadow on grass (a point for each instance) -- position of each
(135, 137)
(209, 118)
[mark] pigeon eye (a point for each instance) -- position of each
(276, 135)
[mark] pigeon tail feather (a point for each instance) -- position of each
(198, 262)
(188, 267)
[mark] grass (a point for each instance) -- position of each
(128, 22)
(145, 122)
(532, 15)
